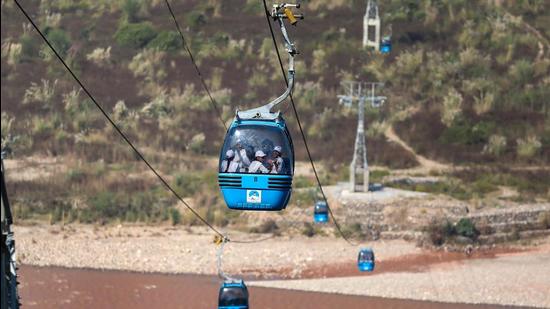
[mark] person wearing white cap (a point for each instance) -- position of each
(276, 160)
(241, 157)
(229, 165)
(257, 165)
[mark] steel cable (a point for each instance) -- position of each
(126, 139)
(203, 82)
(336, 224)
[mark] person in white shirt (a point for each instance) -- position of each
(257, 165)
(229, 165)
(276, 160)
(241, 158)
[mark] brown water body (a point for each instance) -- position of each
(56, 287)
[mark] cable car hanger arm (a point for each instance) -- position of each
(279, 12)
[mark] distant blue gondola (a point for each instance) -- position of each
(320, 212)
(385, 45)
(365, 260)
(233, 295)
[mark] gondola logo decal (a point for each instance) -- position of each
(253, 196)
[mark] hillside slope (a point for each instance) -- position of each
(473, 71)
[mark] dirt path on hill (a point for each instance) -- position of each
(425, 163)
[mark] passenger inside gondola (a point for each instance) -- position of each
(256, 150)
(276, 160)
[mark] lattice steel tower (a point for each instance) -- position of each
(371, 26)
(357, 92)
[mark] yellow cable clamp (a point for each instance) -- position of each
(290, 16)
(218, 239)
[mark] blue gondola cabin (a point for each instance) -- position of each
(320, 213)
(233, 295)
(365, 260)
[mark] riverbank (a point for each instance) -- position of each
(501, 275)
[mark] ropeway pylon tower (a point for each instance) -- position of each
(359, 92)
(371, 26)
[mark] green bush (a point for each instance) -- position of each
(462, 132)
(484, 185)
(135, 35)
(453, 188)
(166, 41)
(29, 47)
(195, 19)
(465, 227)
(60, 40)
(438, 232)
(131, 9)
(522, 71)
(188, 184)
(105, 205)
(175, 216)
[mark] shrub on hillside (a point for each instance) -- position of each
(484, 102)
(462, 132)
(148, 64)
(408, 63)
(528, 147)
(166, 41)
(131, 8)
(496, 145)
(377, 128)
(100, 56)
(135, 35)
(175, 216)
(71, 101)
(439, 232)
(29, 47)
(452, 107)
(11, 52)
(197, 143)
(465, 227)
(41, 93)
(195, 19)
(60, 40)
(522, 72)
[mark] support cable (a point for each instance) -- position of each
(126, 139)
(336, 224)
(203, 82)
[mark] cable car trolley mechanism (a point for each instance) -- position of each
(257, 157)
